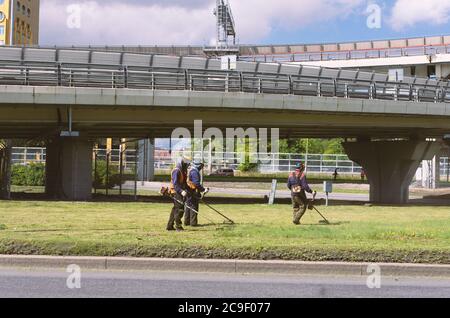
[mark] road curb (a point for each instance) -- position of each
(224, 266)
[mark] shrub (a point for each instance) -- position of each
(28, 175)
(99, 176)
(248, 167)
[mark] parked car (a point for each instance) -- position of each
(223, 173)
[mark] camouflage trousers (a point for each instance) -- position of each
(300, 205)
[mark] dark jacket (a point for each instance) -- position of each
(195, 180)
(178, 180)
(301, 181)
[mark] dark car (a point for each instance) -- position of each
(223, 173)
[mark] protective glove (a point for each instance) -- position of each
(206, 191)
(183, 194)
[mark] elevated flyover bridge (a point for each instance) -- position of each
(415, 55)
(106, 94)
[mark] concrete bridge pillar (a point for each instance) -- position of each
(69, 169)
(5, 172)
(390, 166)
(146, 160)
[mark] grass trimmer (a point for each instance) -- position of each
(312, 207)
(227, 219)
(166, 193)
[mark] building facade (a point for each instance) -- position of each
(19, 22)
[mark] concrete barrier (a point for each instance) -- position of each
(223, 266)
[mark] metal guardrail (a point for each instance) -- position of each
(292, 52)
(273, 163)
(27, 155)
(222, 81)
(347, 54)
(279, 162)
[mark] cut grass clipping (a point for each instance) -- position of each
(356, 233)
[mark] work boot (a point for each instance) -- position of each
(180, 229)
(170, 229)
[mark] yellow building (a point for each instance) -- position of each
(19, 22)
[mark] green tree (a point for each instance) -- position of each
(315, 146)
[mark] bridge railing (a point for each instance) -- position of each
(232, 81)
(347, 54)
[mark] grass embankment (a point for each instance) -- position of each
(358, 233)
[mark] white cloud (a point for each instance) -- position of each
(167, 22)
(407, 13)
(120, 23)
(256, 19)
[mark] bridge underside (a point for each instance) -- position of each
(137, 122)
(389, 166)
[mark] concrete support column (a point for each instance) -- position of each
(431, 174)
(5, 172)
(69, 169)
(390, 166)
(146, 160)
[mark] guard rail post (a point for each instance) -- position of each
(27, 76)
(290, 89)
(113, 79)
(71, 78)
(125, 76)
(59, 74)
(241, 82)
(186, 80)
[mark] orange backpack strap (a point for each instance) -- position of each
(172, 186)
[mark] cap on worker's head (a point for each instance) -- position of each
(300, 166)
(198, 164)
(183, 162)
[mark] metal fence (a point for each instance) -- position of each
(445, 168)
(26, 155)
(267, 163)
(225, 81)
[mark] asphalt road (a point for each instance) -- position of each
(50, 283)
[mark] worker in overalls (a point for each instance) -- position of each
(195, 192)
(298, 185)
(178, 189)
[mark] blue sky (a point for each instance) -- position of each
(354, 28)
(170, 22)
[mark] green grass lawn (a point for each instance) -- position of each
(357, 233)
